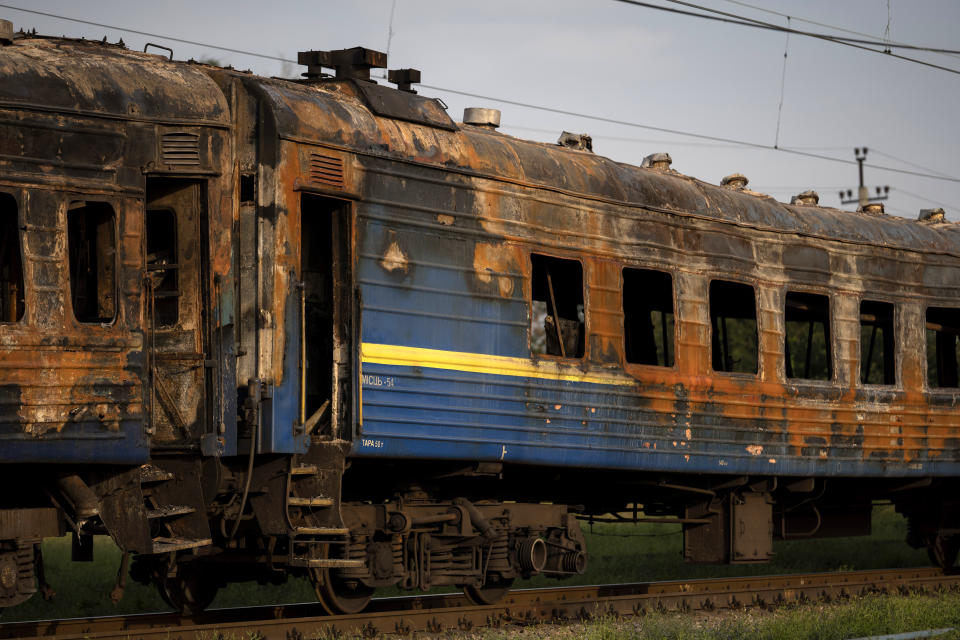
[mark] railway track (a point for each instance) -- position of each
(439, 613)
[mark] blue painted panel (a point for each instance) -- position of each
(282, 412)
(430, 413)
(436, 301)
(84, 442)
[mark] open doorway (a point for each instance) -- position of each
(324, 269)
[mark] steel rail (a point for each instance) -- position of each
(452, 612)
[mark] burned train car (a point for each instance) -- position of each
(253, 328)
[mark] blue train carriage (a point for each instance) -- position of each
(545, 322)
(116, 338)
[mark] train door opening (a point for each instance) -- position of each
(176, 322)
(326, 304)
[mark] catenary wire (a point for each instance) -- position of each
(822, 24)
(757, 24)
(637, 125)
(732, 141)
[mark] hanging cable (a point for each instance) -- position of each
(783, 84)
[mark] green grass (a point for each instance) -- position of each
(857, 618)
(618, 553)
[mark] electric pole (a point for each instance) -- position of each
(863, 197)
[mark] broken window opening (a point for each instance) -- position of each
(557, 319)
(648, 321)
(733, 322)
(163, 267)
(943, 347)
(92, 242)
(807, 336)
(11, 262)
(877, 347)
(248, 189)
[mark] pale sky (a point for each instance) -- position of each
(623, 62)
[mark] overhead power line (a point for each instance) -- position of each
(637, 125)
(626, 123)
(822, 24)
(743, 21)
(148, 34)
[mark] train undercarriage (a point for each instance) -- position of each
(194, 525)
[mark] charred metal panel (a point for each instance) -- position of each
(402, 105)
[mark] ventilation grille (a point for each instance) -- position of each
(326, 170)
(180, 149)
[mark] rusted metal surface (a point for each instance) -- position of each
(452, 613)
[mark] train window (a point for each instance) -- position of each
(163, 267)
(648, 317)
(877, 348)
(92, 242)
(733, 322)
(11, 265)
(943, 347)
(807, 337)
(557, 311)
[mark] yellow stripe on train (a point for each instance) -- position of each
(481, 363)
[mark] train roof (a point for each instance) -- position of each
(107, 80)
(337, 113)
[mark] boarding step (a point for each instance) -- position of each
(305, 470)
(166, 545)
(326, 563)
(309, 502)
(320, 531)
(150, 473)
(170, 510)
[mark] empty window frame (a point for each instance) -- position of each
(877, 344)
(11, 264)
(92, 249)
(648, 322)
(163, 268)
(943, 347)
(556, 311)
(807, 336)
(733, 323)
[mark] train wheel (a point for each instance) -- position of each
(339, 596)
(492, 591)
(943, 551)
(190, 590)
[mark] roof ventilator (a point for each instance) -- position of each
(580, 141)
(6, 32)
(481, 117)
(348, 64)
(932, 215)
(873, 208)
(736, 181)
(403, 78)
(658, 161)
(807, 198)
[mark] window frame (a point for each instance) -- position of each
(583, 297)
(19, 227)
(758, 375)
(897, 344)
(944, 391)
(623, 324)
(831, 306)
(114, 210)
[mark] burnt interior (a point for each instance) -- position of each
(648, 321)
(733, 322)
(943, 347)
(557, 311)
(11, 265)
(92, 250)
(317, 242)
(807, 336)
(877, 343)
